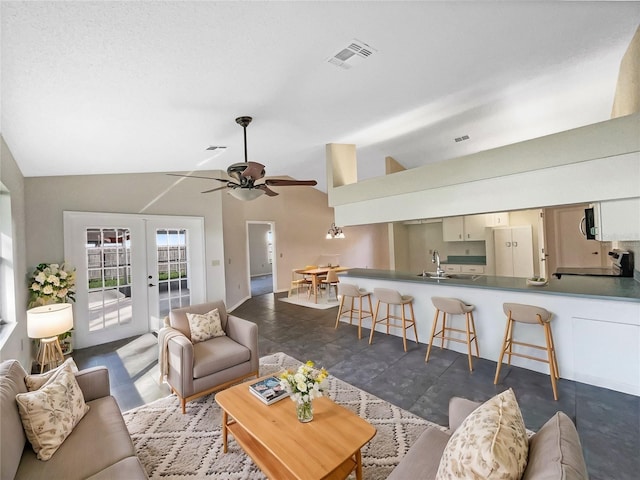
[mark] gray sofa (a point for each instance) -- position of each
(554, 451)
(98, 448)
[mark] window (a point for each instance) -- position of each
(7, 286)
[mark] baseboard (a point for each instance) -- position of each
(233, 307)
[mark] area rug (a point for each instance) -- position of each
(171, 445)
(303, 301)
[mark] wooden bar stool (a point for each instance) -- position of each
(392, 297)
(517, 312)
(453, 306)
(353, 292)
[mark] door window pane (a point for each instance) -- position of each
(108, 253)
(172, 269)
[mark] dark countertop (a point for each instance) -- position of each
(605, 288)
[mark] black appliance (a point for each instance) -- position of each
(588, 224)
(621, 266)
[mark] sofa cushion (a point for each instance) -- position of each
(34, 382)
(421, 461)
(491, 443)
(555, 451)
(12, 437)
(100, 440)
(130, 469)
(216, 355)
(50, 413)
(206, 326)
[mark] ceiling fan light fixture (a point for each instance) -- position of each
(334, 232)
(246, 194)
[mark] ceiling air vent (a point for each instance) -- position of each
(462, 138)
(352, 54)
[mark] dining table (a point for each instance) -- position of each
(316, 274)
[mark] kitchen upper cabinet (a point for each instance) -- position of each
(464, 229)
(618, 219)
(453, 229)
(500, 219)
(513, 250)
(474, 227)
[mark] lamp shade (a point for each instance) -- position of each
(49, 320)
(246, 193)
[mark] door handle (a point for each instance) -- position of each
(507, 244)
(515, 244)
(151, 285)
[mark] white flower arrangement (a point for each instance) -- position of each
(51, 283)
(305, 384)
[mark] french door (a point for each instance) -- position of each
(130, 271)
(175, 265)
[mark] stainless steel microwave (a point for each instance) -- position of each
(588, 224)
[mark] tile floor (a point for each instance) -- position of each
(261, 284)
(608, 422)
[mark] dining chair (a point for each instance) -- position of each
(331, 280)
(298, 283)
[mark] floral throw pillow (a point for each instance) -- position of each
(34, 382)
(49, 414)
(204, 327)
(491, 443)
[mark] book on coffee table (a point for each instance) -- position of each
(268, 390)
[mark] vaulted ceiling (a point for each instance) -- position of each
(118, 87)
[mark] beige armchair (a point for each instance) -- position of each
(197, 369)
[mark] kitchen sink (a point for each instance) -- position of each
(455, 276)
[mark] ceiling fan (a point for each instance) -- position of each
(245, 174)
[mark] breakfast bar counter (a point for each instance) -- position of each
(609, 288)
(595, 323)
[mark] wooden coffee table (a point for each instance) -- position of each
(328, 447)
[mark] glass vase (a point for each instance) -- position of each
(304, 411)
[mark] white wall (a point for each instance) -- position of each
(556, 169)
(16, 344)
(154, 194)
(564, 168)
(301, 219)
(258, 249)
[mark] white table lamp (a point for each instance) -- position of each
(46, 323)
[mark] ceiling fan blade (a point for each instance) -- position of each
(266, 190)
(254, 171)
(215, 189)
(277, 182)
(196, 176)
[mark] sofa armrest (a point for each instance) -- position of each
(245, 333)
(459, 409)
(94, 383)
(180, 373)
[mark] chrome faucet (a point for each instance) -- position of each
(436, 259)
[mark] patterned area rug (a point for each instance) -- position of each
(171, 445)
